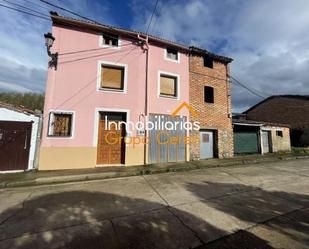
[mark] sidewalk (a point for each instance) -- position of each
(33, 178)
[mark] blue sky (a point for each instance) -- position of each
(268, 39)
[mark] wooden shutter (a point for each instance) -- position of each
(112, 77)
(168, 85)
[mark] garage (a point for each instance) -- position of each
(246, 137)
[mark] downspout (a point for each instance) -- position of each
(145, 47)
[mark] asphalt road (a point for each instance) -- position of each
(260, 206)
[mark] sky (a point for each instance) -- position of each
(268, 39)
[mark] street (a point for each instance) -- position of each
(252, 206)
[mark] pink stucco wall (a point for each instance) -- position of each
(73, 87)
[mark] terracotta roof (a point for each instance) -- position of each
(20, 109)
(69, 21)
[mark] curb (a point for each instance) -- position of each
(192, 165)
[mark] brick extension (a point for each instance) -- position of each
(216, 116)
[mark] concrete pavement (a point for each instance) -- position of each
(260, 206)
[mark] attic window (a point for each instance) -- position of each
(208, 62)
(171, 54)
(110, 40)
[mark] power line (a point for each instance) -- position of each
(69, 11)
(25, 12)
(89, 83)
(38, 5)
(253, 91)
(90, 50)
(23, 7)
(154, 10)
(90, 56)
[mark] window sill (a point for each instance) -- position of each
(109, 46)
(168, 97)
(171, 60)
(111, 90)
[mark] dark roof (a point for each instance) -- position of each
(200, 51)
(20, 109)
(261, 123)
(299, 97)
(103, 27)
(292, 110)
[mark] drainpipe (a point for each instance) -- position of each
(146, 49)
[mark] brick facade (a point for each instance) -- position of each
(212, 116)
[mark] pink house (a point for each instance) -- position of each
(110, 74)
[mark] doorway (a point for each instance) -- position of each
(111, 134)
(206, 144)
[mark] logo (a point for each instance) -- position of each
(185, 105)
(162, 124)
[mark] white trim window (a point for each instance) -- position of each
(168, 85)
(171, 54)
(61, 124)
(112, 77)
(107, 40)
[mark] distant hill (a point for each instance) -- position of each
(32, 101)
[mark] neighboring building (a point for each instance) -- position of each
(210, 96)
(19, 138)
(252, 137)
(122, 75)
(292, 110)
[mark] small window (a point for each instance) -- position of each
(172, 54)
(279, 133)
(110, 40)
(60, 124)
(168, 86)
(112, 77)
(208, 62)
(208, 94)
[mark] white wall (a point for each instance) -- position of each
(10, 115)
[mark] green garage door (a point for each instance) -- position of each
(245, 142)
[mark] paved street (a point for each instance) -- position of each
(255, 206)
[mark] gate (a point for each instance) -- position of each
(15, 140)
(166, 145)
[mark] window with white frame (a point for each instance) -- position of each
(60, 124)
(112, 77)
(110, 40)
(168, 85)
(172, 54)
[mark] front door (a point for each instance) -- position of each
(206, 144)
(266, 141)
(111, 147)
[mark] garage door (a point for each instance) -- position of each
(166, 145)
(14, 145)
(245, 142)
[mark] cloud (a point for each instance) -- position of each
(267, 39)
(15, 76)
(23, 57)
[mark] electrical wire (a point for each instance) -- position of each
(253, 91)
(23, 7)
(38, 5)
(69, 11)
(150, 21)
(25, 12)
(90, 50)
(87, 84)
